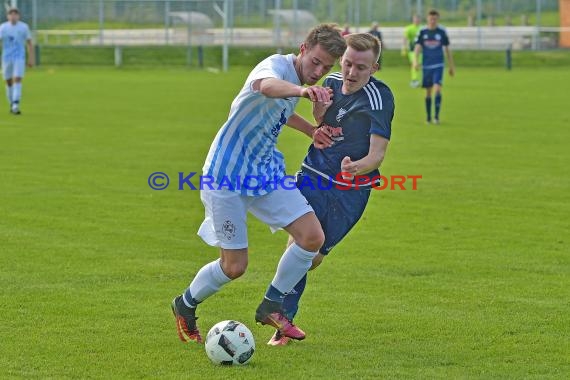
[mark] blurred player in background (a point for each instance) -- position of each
(375, 31)
(16, 38)
(245, 147)
(432, 41)
(356, 130)
(410, 35)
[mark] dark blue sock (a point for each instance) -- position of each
(428, 107)
(437, 105)
(291, 302)
(273, 294)
(192, 302)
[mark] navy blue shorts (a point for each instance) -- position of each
(432, 76)
(337, 210)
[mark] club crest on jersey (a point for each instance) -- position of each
(229, 229)
(282, 121)
(340, 114)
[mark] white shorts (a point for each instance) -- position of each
(13, 69)
(225, 223)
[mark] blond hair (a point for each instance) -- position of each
(328, 37)
(364, 42)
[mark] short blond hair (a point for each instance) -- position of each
(328, 37)
(364, 42)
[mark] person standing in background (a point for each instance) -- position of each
(375, 31)
(16, 37)
(410, 33)
(432, 41)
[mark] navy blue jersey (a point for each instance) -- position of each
(376, 33)
(432, 42)
(352, 119)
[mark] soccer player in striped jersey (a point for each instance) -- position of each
(358, 127)
(245, 166)
(16, 37)
(432, 41)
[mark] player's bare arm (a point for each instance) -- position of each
(277, 88)
(321, 136)
(371, 161)
(319, 110)
(301, 124)
(450, 60)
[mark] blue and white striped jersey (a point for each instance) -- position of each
(14, 37)
(245, 146)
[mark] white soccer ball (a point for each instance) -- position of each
(229, 343)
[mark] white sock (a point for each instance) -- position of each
(293, 265)
(208, 281)
(9, 93)
(17, 92)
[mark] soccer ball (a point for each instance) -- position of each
(229, 343)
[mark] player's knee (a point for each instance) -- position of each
(312, 240)
(234, 266)
(235, 269)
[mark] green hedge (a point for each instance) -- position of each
(249, 56)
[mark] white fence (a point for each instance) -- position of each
(462, 38)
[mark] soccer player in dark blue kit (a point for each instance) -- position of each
(432, 41)
(355, 132)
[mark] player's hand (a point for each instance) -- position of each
(319, 110)
(317, 93)
(451, 71)
(404, 52)
(322, 138)
(30, 64)
(349, 167)
(416, 66)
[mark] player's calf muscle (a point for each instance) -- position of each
(317, 261)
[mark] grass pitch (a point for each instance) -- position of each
(467, 277)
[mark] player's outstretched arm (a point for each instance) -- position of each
(278, 88)
(321, 138)
(371, 161)
(299, 123)
(450, 60)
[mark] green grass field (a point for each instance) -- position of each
(467, 277)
